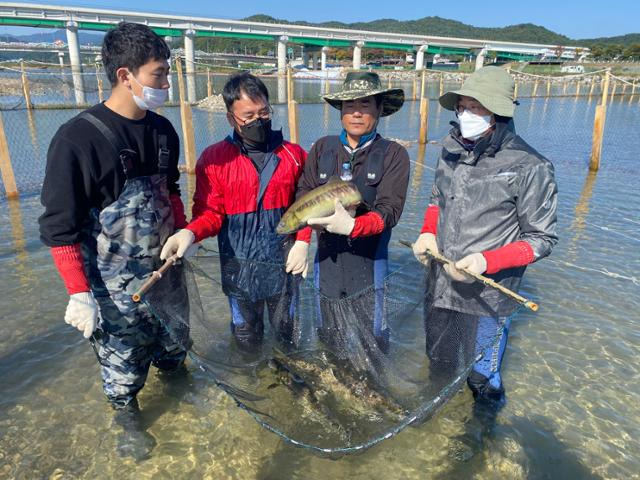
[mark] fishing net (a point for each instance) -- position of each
(309, 367)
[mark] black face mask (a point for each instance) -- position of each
(257, 132)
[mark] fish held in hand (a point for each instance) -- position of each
(319, 202)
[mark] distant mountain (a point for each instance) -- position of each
(8, 38)
(442, 27)
(628, 39)
(85, 38)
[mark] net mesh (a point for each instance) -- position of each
(309, 367)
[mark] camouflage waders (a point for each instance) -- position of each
(121, 250)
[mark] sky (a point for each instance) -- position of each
(575, 19)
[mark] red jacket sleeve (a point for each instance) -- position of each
(371, 223)
(430, 224)
(69, 262)
(208, 203)
(177, 207)
(515, 254)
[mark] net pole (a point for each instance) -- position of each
(598, 125)
(6, 169)
(186, 117)
(25, 86)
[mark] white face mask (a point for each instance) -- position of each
(473, 126)
(152, 98)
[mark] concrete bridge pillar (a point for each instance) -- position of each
(76, 64)
(357, 54)
(61, 60)
(480, 57)
(314, 59)
(305, 59)
(419, 63)
(189, 60)
(282, 54)
(323, 58)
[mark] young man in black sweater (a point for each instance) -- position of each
(111, 199)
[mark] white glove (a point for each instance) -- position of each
(341, 222)
(179, 243)
(426, 241)
(297, 259)
(82, 313)
(475, 263)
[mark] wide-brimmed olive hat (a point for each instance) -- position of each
(364, 84)
(493, 87)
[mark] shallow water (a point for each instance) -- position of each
(571, 370)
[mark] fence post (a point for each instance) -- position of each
(441, 84)
(389, 81)
(548, 87)
(578, 88)
(186, 117)
(6, 169)
(535, 88)
(415, 88)
(25, 86)
(515, 89)
(424, 121)
(209, 86)
(293, 121)
(289, 85)
(613, 90)
(424, 112)
(593, 86)
(598, 125)
(99, 81)
(565, 83)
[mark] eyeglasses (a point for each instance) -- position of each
(470, 108)
(265, 114)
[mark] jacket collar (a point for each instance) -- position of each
(275, 141)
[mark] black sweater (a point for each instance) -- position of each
(83, 171)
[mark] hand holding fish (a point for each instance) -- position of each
(340, 223)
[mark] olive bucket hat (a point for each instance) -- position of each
(364, 84)
(493, 87)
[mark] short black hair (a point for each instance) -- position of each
(131, 45)
(246, 83)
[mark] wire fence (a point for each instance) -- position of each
(38, 97)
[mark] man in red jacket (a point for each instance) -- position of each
(243, 186)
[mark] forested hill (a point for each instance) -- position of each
(525, 32)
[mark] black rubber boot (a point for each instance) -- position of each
(134, 441)
(484, 392)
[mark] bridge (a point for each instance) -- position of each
(95, 51)
(74, 18)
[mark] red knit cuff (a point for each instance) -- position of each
(201, 228)
(304, 234)
(179, 218)
(430, 224)
(69, 262)
(516, 254)
(371, 223)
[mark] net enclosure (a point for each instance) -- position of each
(311, 368)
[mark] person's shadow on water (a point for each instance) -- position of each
(547, 457)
